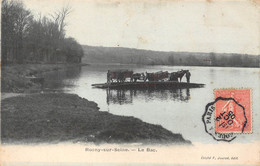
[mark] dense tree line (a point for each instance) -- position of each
(27, 39)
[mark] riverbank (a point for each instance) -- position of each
(57, 117)
(16, 78)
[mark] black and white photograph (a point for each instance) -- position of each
(130, 82)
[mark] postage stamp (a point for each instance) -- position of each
(229, 115)
(233, 115)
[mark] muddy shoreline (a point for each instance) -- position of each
(57, 117)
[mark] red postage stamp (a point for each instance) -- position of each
(233, 112)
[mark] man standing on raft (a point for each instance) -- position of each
(188, 76)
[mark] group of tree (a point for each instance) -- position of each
(30, 39)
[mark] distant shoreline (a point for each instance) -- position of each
(118, 64)
(94, 54)
(166, 51)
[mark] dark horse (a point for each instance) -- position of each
(138, 76)
(174, 76)
(158, 76)
(119, 75)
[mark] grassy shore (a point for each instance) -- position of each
(15, 77)
(60, 117)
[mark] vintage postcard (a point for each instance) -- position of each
(130, 82)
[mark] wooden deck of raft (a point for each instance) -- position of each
(148, 85)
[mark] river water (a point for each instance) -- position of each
(178, 110)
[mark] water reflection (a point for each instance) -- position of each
(122, 96)
(60, 79)
(119, 96)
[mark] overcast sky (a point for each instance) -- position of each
(173, 25)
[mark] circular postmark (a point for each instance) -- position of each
(224, 119)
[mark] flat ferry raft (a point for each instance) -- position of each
(148, 85)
